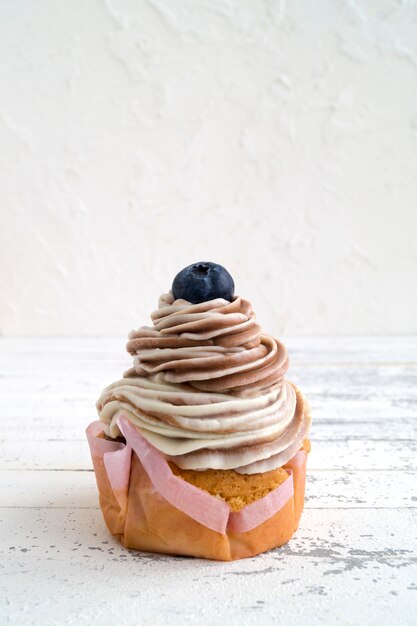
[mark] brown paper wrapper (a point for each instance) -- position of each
(142, 519)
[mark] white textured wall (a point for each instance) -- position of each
(278, 138)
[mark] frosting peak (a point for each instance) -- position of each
(208, 389)
(213, 346)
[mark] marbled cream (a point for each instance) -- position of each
(208, 389)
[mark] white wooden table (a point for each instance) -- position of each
(352, 561)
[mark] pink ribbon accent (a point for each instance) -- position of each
(116, 458)
(297, 460)
(198, 504)
(258, 512)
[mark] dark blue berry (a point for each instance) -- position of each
(203, 281)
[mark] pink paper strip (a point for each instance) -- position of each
(297, 460)
(116, 458)
(117, 465)
(198, 504)
(258, 512)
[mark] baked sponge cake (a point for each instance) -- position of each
(238, 490)
(201, 447)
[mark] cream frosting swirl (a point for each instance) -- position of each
(213, 346)
(208, 390)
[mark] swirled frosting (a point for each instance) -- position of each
(208, 389)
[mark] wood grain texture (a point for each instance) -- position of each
(325, 454)
(352, 561)
(348, 563)
(325, 489)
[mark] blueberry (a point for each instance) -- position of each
(203, 281)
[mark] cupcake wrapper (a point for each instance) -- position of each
(149, 508)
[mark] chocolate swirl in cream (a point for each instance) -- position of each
(213, 346)
(208, 389)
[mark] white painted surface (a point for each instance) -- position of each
(138, 136)
(353, 560)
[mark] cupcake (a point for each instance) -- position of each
(201, 447)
